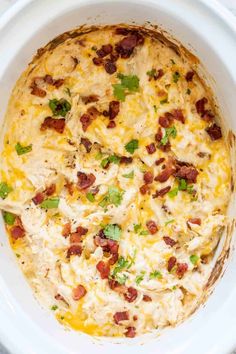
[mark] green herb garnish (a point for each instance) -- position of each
(9, 218)
(144, 233)
(129, 175)
(113, 196)
(59, 107)
(4, 190)
(139, 278)
(90, 197)
(155, 274)
(121, 278)
(169, 132)
(50, 203)
(112, 231)
(169, 222)
(194, 259)
(128, 83)
(131, 146)
(54, 307)
(176, 76)
(151, 73)
(21, 150)
(182, 186)
(110, 159)
(137, 227)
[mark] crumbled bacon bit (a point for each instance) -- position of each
(159, 161)
(189, 76)
(104, 50)
(178, 115)
(126, 46)
(131, 332)
(121, 316)
(17, 232)
(66, 230)
(169, 241)
(93, 112)
(36, 91)
(166, 120)
(126, 160)
(147, 298)
(79, 292)
(148, 177)
(87, 144)
(165, 174)
(171, 263)
(69, 186)
(151, 148)
(111, 124)
(135, 318)
(90, 99)
(152, 227)
(74, 250)
(85, 120)
(189, 173)
(122, 31)
(48, 79)
(144, 189)
(200, 105)
(53, 123)
(85, 180)
(38, 198)
(214, 131)
(114, 285)
(114, 108)
(181, 269)
(97, 61)
(110, 67)
(75, 238)
(59, 297)
(131, 294)
(161, 192)
(50, 190)
(159, 74)
(81, 230)
(58, 83)
(104, 269)
(196, 221)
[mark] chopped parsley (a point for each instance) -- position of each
(54, 307)
(194, 259)
(50, 203)
(139, 278)
(110, 159)
(113, 196)
(9, 218)
(169, 132)
(128, 84)
(131, 146)
(144, 232)
(137, 227)
(123, 264)
(129, 175)
(99, 155)
(176, 76)
(155, 275)
(90, 197)
(169, 222)
(59, 107)
(112, 231)
(21, 150)
(151, 73)
(4, 190)
(182, 186)
(137, 230)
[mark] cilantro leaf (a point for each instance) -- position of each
(122, 263)
(112, 231)
(119, 92)
(50, 203)
(176, 76)
(90, 197)
(131, 146)
(128, 83)
(105, 162)
(151, 73)
(182, 184)
(4, 190)
(144, 232)
(139, 278)
(173, 193)
(194, 259)
(113, 196)
(21, 150)
(155, 274)
(121, 278)
(169, 132)
(54, 307)
(9, 218)
(129, 175)
(137, 227)
(59, 107)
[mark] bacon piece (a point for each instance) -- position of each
(144, 189)
(148, 177)
(135, 318)
(90, 99)
(158, 74)
(152, 227)
(130, 332)
(114, 285)
(81, 230)
(171, 263)
(147, 298)
(126, 160)
(165, 174)
(131, 294)
(110, 67)
(17, 232)
(75, 238)
(53, 123)
(214, 131)
(50, 190)
(189, 76)
(151, 148)
(196, 221)
(158, 137)
(74, 250)
(87, 144)
(104, 269)
(59, 297)
(178, 115)
(200, 105)
(159, 161)
(97, 61)
(58, 83)
(38, 198)
(104, 50)
(123, 31)
(121, 316)
(111, 124)
(181, 269)
(93, 112)
(66, 230)
(79, 292)
(114, 108)
(48, 79)
(126, 46)
(169, 241)
(189, 173)
(207, 116)
(85, 120)
(36, 91)
(85, 180)
(166, 120)
(161, 192)
(69, 186)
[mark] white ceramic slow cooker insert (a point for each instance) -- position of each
(208, 31)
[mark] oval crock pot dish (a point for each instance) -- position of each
(115, 180)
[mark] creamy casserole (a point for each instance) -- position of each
(115, 180)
